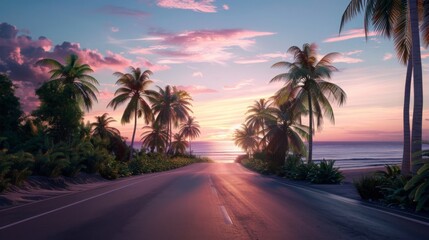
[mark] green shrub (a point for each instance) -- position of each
(325, 173)
(290, 168)
(4, 169)
(418, 186)
(369, 187)
(50, 164)
(256, 165)
(21, 167)
(110, 169)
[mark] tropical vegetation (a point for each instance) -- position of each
(53, 140)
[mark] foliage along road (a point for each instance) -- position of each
(204, 201)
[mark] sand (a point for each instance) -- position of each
(38, 188)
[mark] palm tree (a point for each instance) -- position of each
(74, 79)
(305, 82)
(102, 129)
(190, 129)
(257, 115)
(170, 106)
(154, 137)
(284, 132)
(179, 145)
(134, 90)
(246, 138)
(393, 18)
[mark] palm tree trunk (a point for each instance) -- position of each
(416, 132)
(190, 147)
(310, 136)
(134, 134)
(406, 154)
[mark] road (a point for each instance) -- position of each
(204, 201)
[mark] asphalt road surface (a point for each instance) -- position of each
(204, 201)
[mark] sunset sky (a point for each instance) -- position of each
(220, 51)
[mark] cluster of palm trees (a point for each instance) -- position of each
(164, 110)
(403, 20)
(275, 126)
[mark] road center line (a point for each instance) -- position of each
(226, 217)
(78, 202)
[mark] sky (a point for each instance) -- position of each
(220, 51)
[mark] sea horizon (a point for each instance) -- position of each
(347, 154)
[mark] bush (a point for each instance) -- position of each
(325, 173)
(110, 169)
(419, 188)
(21, 166)
(369, 187)
(256, 165)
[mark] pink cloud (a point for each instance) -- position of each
(105, 94)
(225, 7)
(261, 58)
(197, 74)
(18, 55)
(387, 56)
(205, 6)
(114, 29)
(346, 59)
(354, 33)
(239, 85)
(194, 90)
(151, 66)
(203, 45)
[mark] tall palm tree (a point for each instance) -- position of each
(133, 89)
(171, 106)
(102, 129)
(285, 132)
(154, 137)
(179, 144)
(190, 129)
(246, 138)
(392, 18)
(305, 82)
(74, 78)
(257, 116)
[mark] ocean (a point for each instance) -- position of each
(346, 154)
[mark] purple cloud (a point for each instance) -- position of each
(18, 55)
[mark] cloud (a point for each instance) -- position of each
(387, 56)
(205, 6)
(114, 29)
(121, 11)
(194, 90)
(212, 46)
(151, 66)
(354, 52)
(350, 34)
(18, 55)
(197, 74)
(225, 7)
(239, 85)
(261, 58)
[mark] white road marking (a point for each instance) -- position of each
(226, 217)
(76, 203)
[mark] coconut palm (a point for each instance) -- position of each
(171, 106)
(246, 138)
(392, 18)
(305, 82)
(102, 129)
(74, 79)
(257, 115)
(284, 132)
(179, 144)
(190, 129)
(133, 89)
(154, 137)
